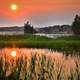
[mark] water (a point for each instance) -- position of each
(53, 35)
(40, 34)
(12, 33)
(40, 63)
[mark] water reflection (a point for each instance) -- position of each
(52, 35)
(38, 64)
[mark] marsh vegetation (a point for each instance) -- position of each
(38, 64)
(70, 44)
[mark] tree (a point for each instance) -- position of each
(28, 28)
(76, 25)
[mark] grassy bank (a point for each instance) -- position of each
(71, 43)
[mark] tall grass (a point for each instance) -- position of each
(38, 64)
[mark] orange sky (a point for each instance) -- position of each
(37, 8)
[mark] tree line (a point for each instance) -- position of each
(75, 26)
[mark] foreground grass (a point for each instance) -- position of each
(68, 44)
(38, 64)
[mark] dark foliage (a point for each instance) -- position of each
(76, 25)
(28, 28)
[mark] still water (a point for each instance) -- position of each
(52, 35)
(39, 63)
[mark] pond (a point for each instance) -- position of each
(38, 64)
(53, 35)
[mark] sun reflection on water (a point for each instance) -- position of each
(13, 53)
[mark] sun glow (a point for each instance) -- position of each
(13, 53)
(14, 7)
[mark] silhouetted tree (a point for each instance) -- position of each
(76, 25)
(28, 28)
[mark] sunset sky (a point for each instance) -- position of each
(39, 12)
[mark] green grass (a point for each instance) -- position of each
(71, 43)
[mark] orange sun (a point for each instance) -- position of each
(14, 7)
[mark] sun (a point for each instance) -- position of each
(14, 7)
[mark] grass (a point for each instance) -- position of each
(38, 65)
(68, 44)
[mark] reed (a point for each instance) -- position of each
(38, 64)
